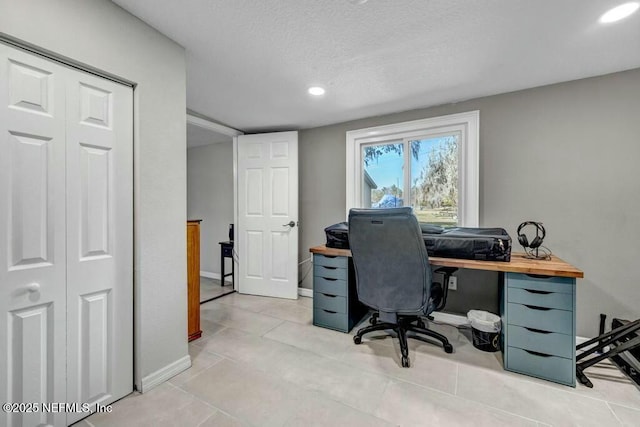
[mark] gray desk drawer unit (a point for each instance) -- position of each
(540, 326)
(335, 303)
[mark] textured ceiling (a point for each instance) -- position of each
(249, 62)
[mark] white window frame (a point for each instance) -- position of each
(466, 124)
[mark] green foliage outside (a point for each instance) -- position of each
(437, 185)
(434, 191)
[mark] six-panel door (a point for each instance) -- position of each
(65, 238)
(267, 214)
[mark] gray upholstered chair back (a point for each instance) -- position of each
(390, 260)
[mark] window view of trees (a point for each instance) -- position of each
(384, 179)
(434, 183)
(433, 177)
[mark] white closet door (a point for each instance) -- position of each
(66, 238)
(32, 235)
(99, 240)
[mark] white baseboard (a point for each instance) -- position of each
(210, 275)
(163, 374)
(305, 292)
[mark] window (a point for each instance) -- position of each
(430, 165)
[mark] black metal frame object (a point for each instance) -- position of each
(621, 339)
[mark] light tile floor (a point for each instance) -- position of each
(261, 362)
(210, 288)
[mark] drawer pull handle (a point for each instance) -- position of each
(532, 291)
(330, 296)
(535, 307)
(539, 276)
(331, 279)
(329, 311)
(329, 256)
(538, 331)
(535, 353)
(329, 268)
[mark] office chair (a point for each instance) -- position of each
(393, 275)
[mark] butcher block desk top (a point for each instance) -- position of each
(518, 264)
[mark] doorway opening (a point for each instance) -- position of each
(210, 198)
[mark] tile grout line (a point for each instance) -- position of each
(193, 396)
(550, 385)
(276, 326)
(633, 408)
(614, 414)
(180, 387)
(455, 387)
(466, 400)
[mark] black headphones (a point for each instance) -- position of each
(537, 241)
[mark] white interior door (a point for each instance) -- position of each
(66, 238)
(32, 236)
(99, 241)
(267, 234)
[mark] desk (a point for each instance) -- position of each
(537, 307)
(226, 251)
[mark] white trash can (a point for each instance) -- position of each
(485, 328)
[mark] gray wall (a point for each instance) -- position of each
(566, 155)
(210, 198)
(102, 35)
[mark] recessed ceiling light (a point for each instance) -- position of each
(316, 90)
(358, 1)
(619, 12)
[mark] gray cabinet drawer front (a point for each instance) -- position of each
(547, 319)
(330, 272)
(541, 298)
(330, 302)
(330, 286)
(544, 342)
(330, 261)
(327, 319)
(563, 285)
(552, 368)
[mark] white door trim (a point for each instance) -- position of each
(212, 126)
(236, 270)
(63, 60)
(233, 133)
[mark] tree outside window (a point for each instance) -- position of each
(434, 177)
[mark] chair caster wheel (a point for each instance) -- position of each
(357, 339)
(373, 320)
(405, 362)
(421, 324)
(448, 348)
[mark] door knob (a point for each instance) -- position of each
(290, 224)
(33, 287)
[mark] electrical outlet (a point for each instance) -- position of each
(453, 283)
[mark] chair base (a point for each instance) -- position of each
(404, 325)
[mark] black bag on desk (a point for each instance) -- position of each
(487, 244)
(338, 235)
